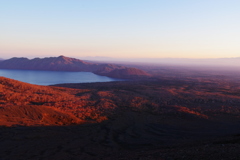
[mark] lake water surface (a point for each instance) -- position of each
(53, 77)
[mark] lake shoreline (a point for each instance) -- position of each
(54, 77)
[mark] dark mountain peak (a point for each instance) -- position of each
(18, 58)
(63, 57)
(65, 60)
(63, 63)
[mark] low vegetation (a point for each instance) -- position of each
(89, 103)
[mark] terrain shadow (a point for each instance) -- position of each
(131, 135)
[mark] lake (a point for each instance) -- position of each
(54, 77)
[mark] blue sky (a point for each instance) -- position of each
(120, 28)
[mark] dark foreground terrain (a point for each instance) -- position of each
(167, 118)
(108, 140)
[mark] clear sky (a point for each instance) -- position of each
(120, 28)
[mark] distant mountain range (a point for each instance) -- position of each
(226, 62)
(63, 63)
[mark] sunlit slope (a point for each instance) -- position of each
(165, 100)
(27, 104)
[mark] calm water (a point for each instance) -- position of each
(53, 77)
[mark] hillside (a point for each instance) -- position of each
(125, 72)
(63, 63)
(96, 102)
(26, 104)
(161, 119)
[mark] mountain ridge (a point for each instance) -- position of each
(63, 63)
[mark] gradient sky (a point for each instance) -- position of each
(120, 28)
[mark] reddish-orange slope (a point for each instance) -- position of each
(26, 104)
